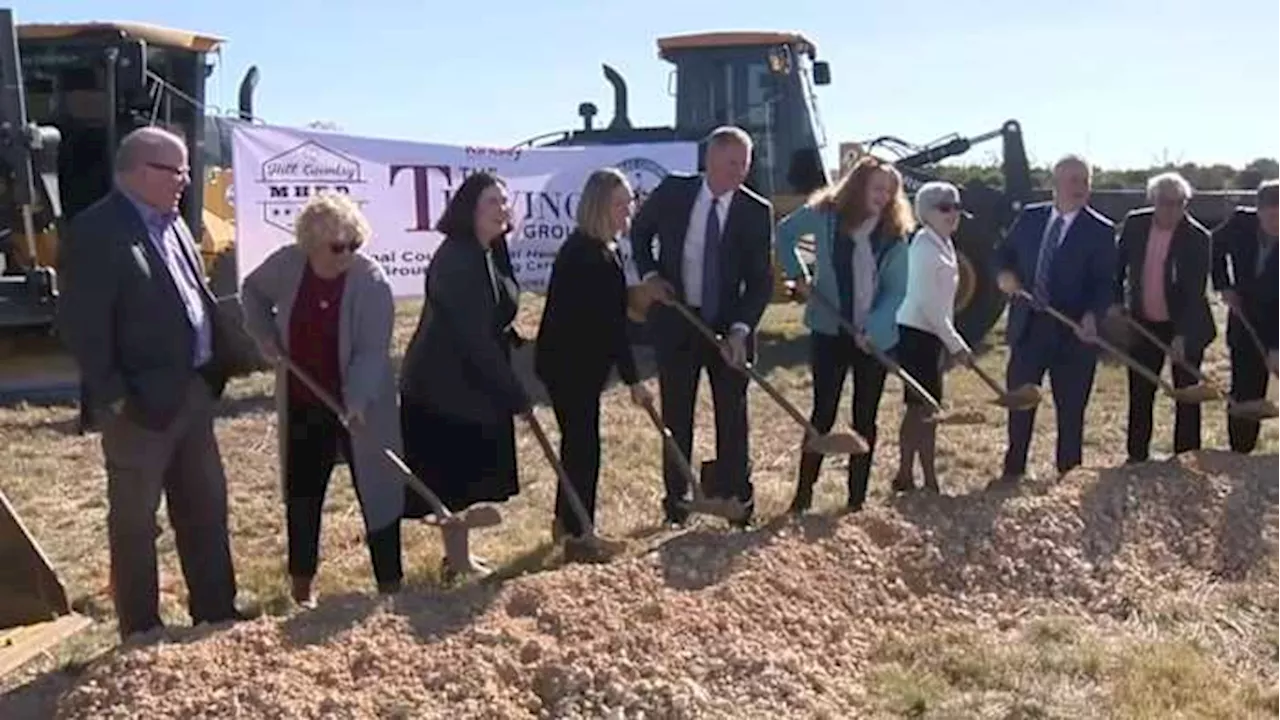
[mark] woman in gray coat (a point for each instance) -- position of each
(330, 309)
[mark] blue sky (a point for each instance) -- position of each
(1127, 83)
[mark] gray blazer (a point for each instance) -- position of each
(366, 320)
(457, 363)
(120, 314)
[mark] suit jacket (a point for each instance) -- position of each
(1186, 275)
(583, 333)
(457, 362)
(1235, 258)
(365, 323)
(746, 275)
(1083, 274)
(122, 318)
(891, 273)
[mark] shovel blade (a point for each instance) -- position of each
(480, 516)
(837, 443)
(1254, 410)
(727, 508)
(958, 417)
(1196, 394)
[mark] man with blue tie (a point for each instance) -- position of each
(1064, 253)
(715, 243)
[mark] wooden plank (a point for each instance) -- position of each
(19, 645)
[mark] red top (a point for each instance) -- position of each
(313, 336)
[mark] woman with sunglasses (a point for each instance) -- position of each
(328, 308)
(926, 326)
(859, 226)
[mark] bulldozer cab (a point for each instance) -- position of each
(96, 82)
(762, 82)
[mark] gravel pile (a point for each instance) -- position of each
(778, 622)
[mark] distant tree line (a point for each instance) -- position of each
(1201, 177)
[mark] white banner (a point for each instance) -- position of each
(403, 188)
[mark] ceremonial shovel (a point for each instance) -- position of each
(833, 443)
(478, 516)
(938, 414)
(731, 509)
(608, 547)
(1261, 408)
(1252, 409)
(1195, 394)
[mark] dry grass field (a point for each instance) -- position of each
(1134, 592)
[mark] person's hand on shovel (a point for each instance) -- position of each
(1008, 283)
(640, 395)
(734, 348)
(1088, 332)
(271, 351)
(1271, 361)
(355, 418)
(798, 290)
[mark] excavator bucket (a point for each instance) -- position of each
(35, 615)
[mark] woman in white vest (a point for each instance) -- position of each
(926, 325)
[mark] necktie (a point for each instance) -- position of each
(711, 265)
(1044, 264)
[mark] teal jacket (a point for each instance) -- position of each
(891, 274)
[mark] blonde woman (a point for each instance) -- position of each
(583, 336)
(329, 308)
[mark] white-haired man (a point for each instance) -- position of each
(1162, 274)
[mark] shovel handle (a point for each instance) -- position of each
(332, 403)
(562, 476)
(1119, 354)
(749, 370)
(673, 449)
(1165, 348)
(1251, 331)
(881, 357)
(986, 378)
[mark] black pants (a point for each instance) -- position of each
(1248, 382)
(311, 450)
(1142, 395)
(681, 359)
(831, 358)
(578, 414)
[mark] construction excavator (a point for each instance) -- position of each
(68, 93)
(764, 83)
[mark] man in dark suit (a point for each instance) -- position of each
(1162, 273)
(137, 313)
(1246, 273)
(715, 239)
(1064, 253)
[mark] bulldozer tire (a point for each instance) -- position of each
(979, 301)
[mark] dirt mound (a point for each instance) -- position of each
(779, 622)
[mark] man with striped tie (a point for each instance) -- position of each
(1064, 253)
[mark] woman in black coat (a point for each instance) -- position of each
(582, 337)
(459, 393)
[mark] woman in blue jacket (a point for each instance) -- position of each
(859, 227)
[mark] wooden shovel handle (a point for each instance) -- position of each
(1164, 347)
(670, 445)
(437, 506)
(1102, 342)
(881, 357)
(562, 476)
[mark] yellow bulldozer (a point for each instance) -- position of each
(68, 93)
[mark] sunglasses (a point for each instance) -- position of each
(947, 207)
(342, 248)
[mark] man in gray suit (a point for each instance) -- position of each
(137, 313)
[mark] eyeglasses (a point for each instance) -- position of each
(171, 169)
(947, 207)
(342, 248)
